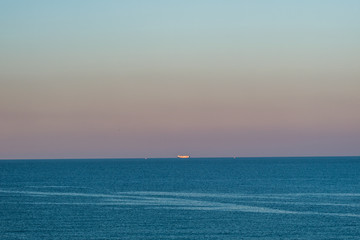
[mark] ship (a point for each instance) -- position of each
(183, 156)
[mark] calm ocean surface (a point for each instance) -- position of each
(218, 198)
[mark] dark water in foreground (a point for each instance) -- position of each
(254, 198)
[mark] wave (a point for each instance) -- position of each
(59, 193)
(58, 186)
(229, 195)
(205, 195)
(185, 201)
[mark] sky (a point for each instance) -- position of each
(124, 79)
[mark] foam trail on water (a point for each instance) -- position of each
(319, 194)
(242, 208)
(173, 200)
(60, 187)
(210, 195)
(307, 203)
(73, 194)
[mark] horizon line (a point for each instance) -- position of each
(93, 158)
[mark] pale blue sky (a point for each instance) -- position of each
(157, 78)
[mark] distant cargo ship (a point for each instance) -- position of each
(183, 156)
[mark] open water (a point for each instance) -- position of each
(198, 198)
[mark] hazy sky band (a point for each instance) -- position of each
(158, 78)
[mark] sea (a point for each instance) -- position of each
(308, 198)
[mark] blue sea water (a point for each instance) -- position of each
(197, 198)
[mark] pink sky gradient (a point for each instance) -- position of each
(132, 81)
